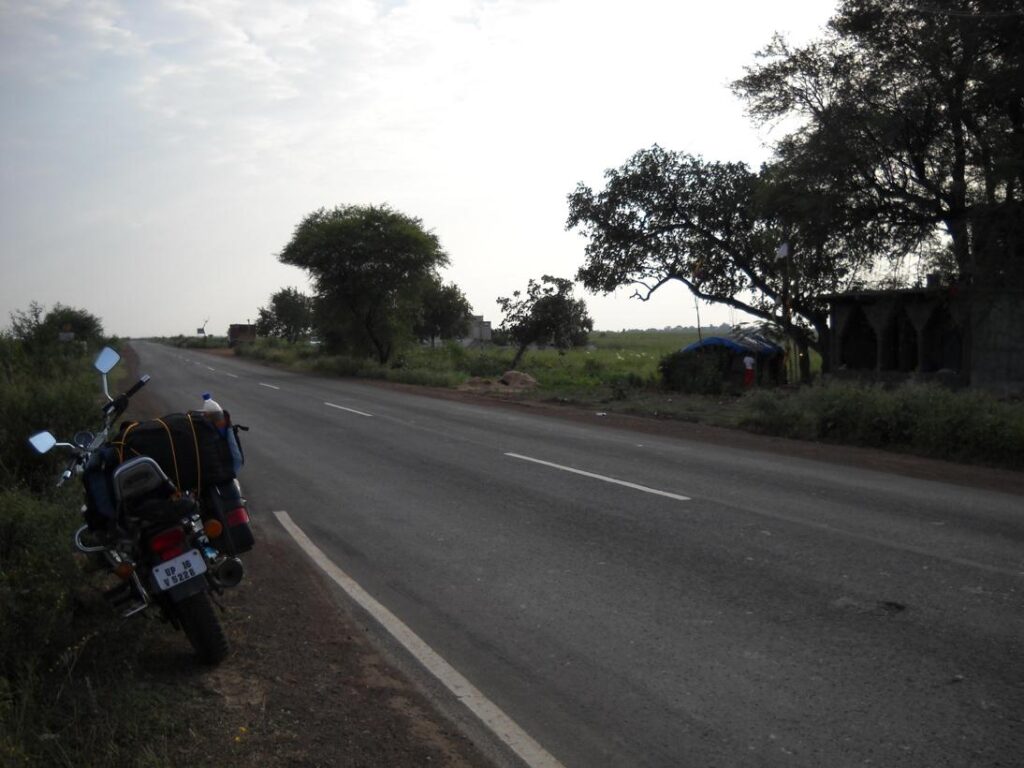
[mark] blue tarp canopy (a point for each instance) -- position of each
(754, 344)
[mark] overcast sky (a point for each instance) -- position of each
(158, 155)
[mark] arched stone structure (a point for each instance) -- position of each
(858, 345)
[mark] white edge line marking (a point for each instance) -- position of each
(268, 386)
(232, 375)
(506, 729)
(606, 479)
(350, 410)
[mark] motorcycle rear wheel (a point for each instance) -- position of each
(202, 628)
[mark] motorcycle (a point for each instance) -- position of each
(171, 550)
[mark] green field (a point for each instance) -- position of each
(612, 360)
(655, 342)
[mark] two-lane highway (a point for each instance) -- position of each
(633, 600)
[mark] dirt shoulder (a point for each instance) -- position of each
(304, 685)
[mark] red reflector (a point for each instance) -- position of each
(237, 516)
(168, 544)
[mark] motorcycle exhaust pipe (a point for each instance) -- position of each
(230, 572)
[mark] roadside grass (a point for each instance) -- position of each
(924, 419)
(74, 690)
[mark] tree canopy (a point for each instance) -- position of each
(916, 113)
(716, 228)
(370, 266)
(444, 312)
(546, 314)
(288, 316)
(36, 328)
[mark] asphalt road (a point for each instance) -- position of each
(715, 607)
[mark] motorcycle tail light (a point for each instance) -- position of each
(237, 516)
(168, 544)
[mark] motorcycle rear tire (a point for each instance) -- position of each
(202, 628)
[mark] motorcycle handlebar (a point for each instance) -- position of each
(138, 385)
(119, 404)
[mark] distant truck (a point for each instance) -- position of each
(241, 333)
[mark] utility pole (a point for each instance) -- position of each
(783, 253)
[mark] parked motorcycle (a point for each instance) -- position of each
(172, 543)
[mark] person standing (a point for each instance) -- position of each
(748, 371)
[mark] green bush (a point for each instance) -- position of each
(37, 574)
(337, 365)
(57, 391)
(37, 577)
(925, 419)
(425, 378)
(197, 342)
(64, 696)
(487, 363)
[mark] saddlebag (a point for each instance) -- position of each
(198, 459)
(226, 504)
(189, 450)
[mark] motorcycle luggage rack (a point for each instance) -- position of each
(87, 547)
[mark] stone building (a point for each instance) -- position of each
(937, 332)
(479, 332)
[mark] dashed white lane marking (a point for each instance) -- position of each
(268, 386)
(232, 375)
(603, 478)
(210, 369)
(500, 724)
(350, 410)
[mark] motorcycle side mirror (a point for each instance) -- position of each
(106, 360)
(42, 441)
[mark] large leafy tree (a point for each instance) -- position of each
(915, 111)
(370, 266)
(288, 316)
(716, 228)
(547, 313)
(908, 138)
(444, 312)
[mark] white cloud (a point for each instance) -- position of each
(182, 134)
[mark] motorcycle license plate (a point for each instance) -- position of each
(179, 570)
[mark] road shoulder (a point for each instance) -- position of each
(305, 686)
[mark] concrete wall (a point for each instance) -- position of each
(997, 340)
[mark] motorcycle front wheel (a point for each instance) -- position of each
(202, 628)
